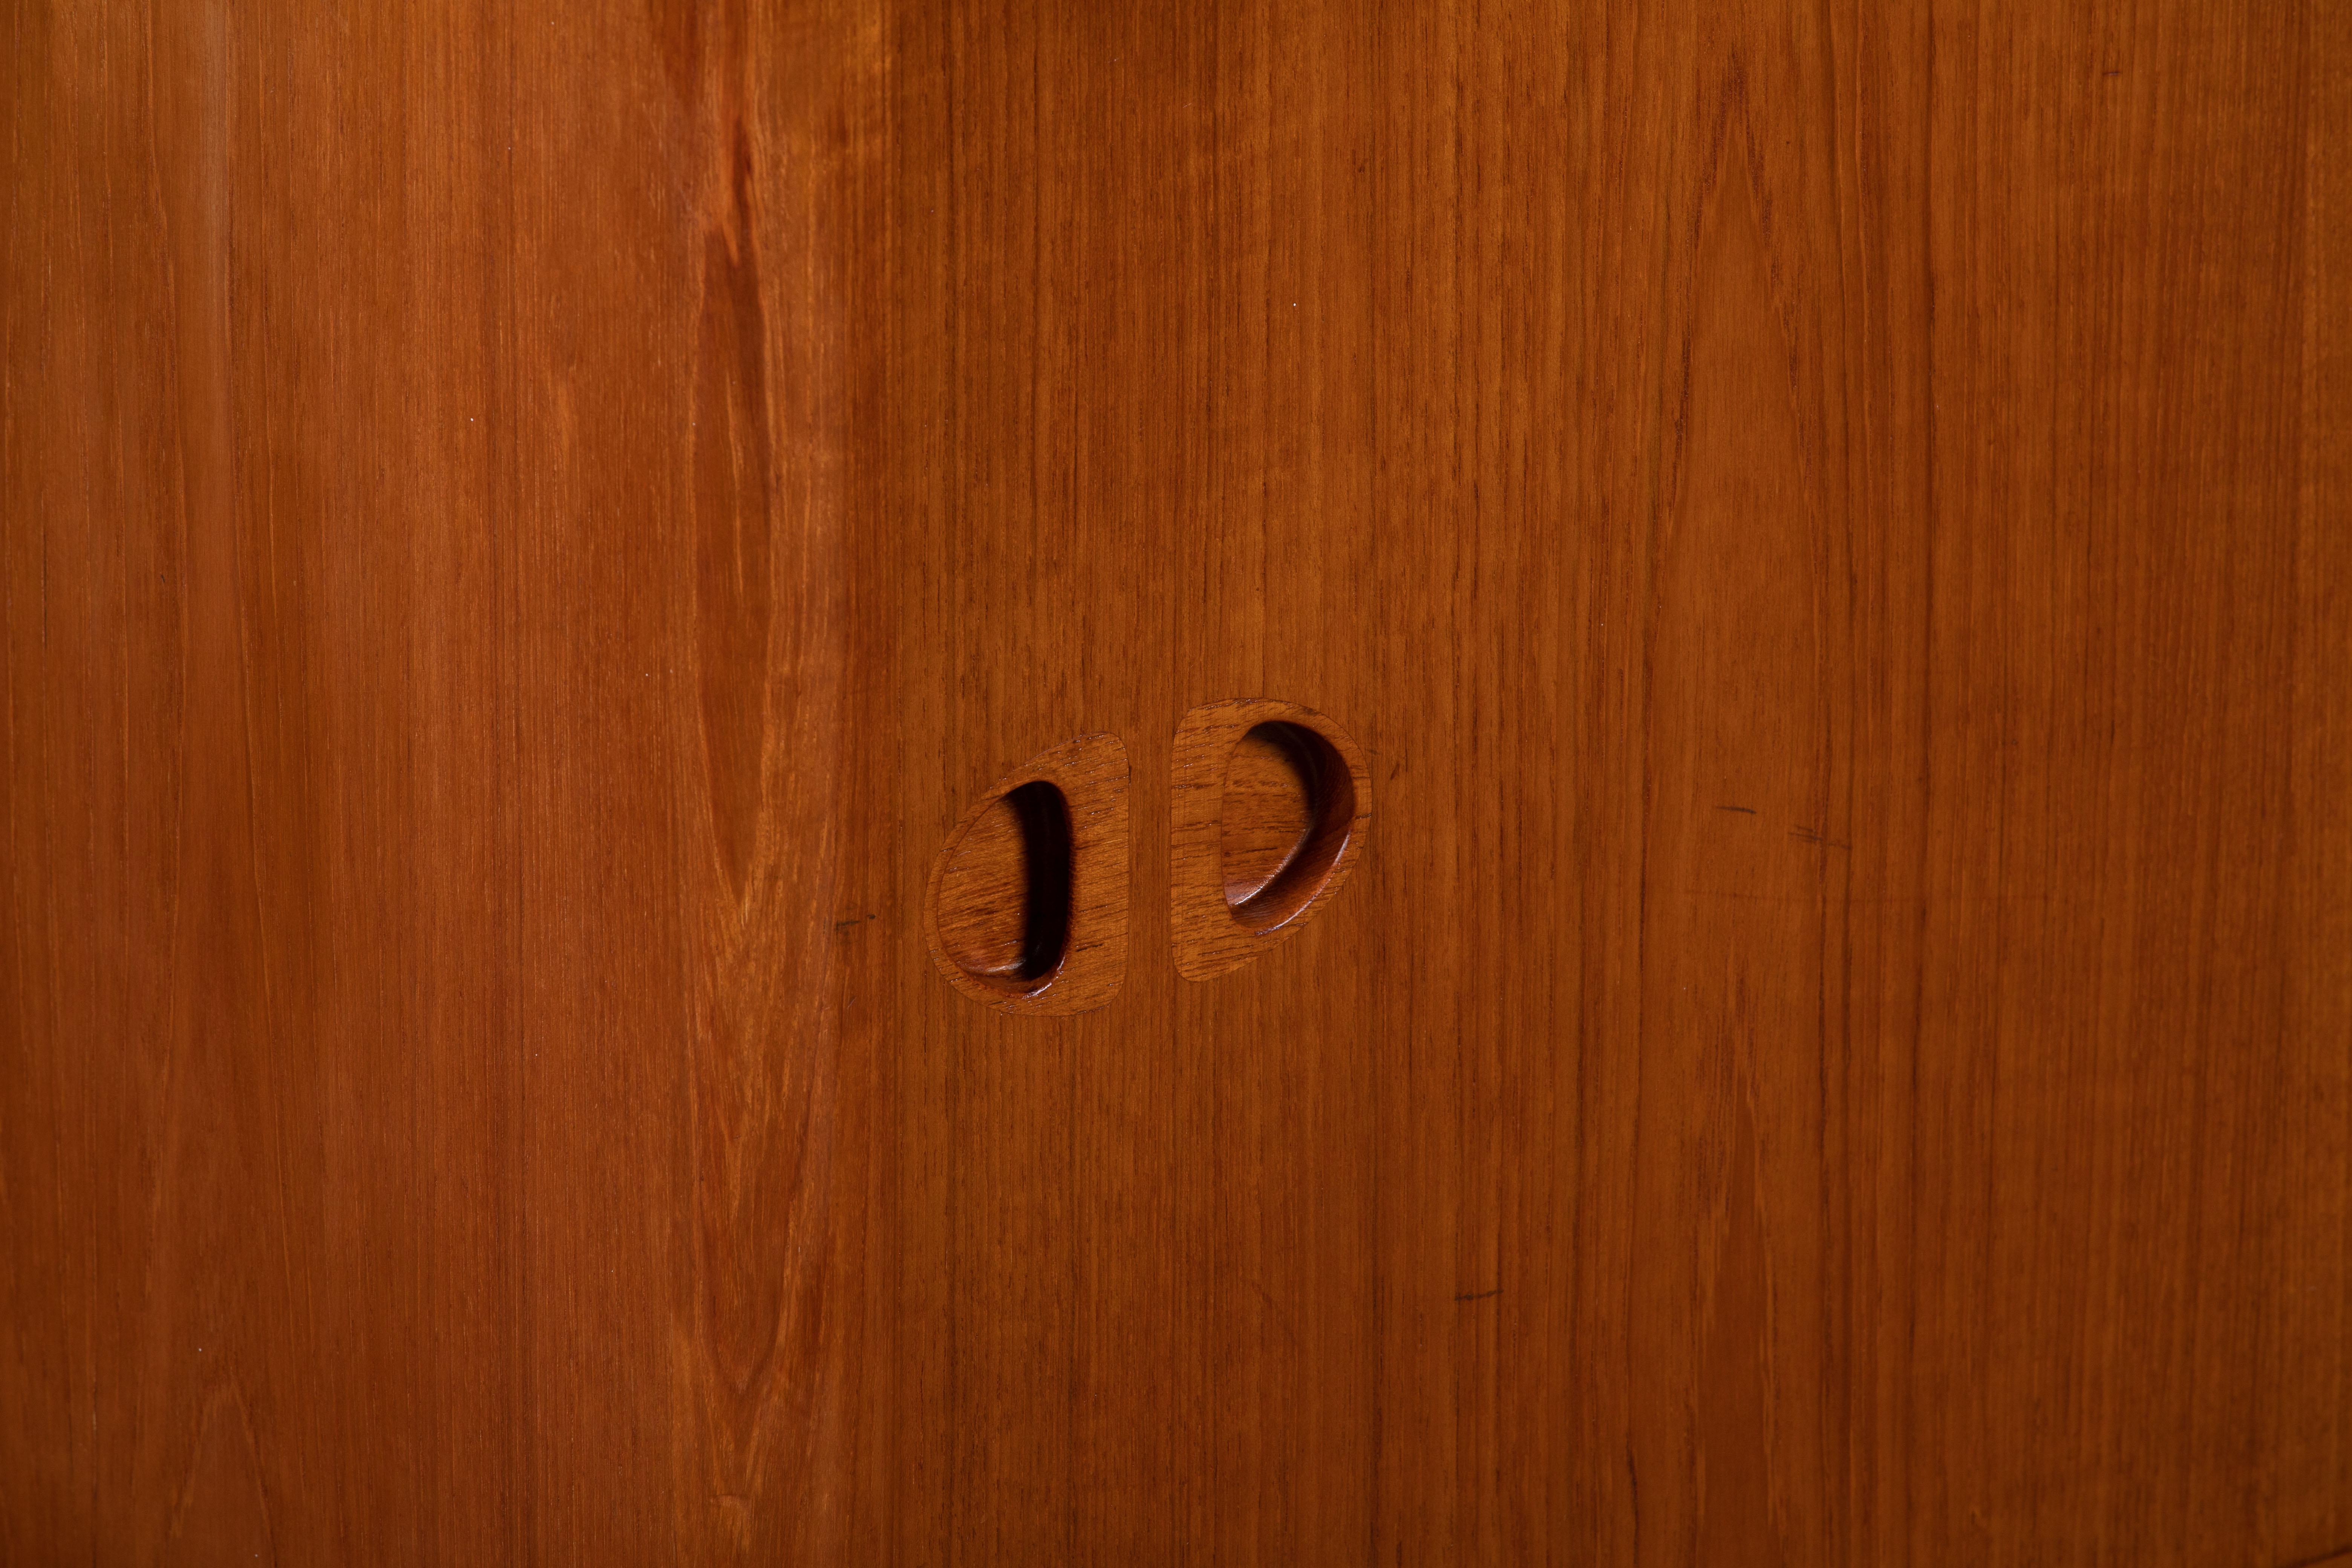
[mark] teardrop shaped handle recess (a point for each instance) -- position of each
(1269, 812)
(1027, 906)
(1004, 897)
(1289, 805)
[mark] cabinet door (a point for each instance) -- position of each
(670, 895)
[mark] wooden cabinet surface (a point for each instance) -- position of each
(528, 527)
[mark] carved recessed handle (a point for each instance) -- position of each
(1027, 907)
(1269, 812)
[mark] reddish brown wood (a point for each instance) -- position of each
(528, 527)
(1272, 810)
(1027, 906)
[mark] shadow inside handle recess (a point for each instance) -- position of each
(1289, 805)
(1007, 899)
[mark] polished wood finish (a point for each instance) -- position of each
(1270, 809)
(528, 526)
(1053, 834)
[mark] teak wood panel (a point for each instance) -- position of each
(984, 934)
(525, 525)
(1216, 919)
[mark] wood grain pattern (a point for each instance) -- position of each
(977, 913)
(1270, 810)
(1221, 853)
(527, 527)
